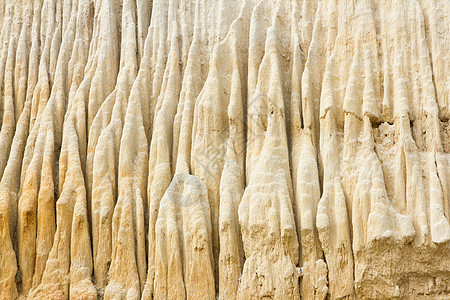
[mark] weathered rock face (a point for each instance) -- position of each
(238, 149)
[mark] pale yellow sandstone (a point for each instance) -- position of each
(224, 149)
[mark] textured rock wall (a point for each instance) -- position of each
(230, 149)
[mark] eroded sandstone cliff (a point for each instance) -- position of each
(230, 149)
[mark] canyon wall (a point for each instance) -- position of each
(224, 149)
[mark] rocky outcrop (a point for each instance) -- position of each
(241, 149)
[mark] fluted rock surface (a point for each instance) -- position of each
(239, 149)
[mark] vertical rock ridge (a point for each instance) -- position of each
(236, 149)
